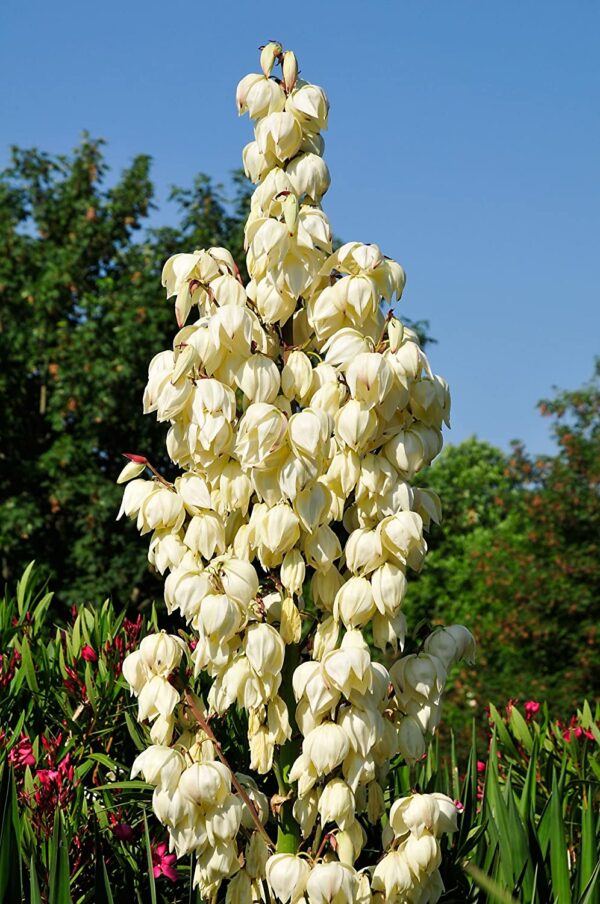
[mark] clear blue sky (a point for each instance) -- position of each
(464, 139)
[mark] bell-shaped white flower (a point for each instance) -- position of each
(205, 784)
(332, 883)
(392, 876)
(287, 876)
(160, 766)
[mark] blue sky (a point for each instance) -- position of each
(464, 139)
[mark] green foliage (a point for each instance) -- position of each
(82, 313)
(529, 830)
(516, 560)
(73, 827)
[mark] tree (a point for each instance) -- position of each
(80, 314)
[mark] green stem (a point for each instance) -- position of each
(288, 830)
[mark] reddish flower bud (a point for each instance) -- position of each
(89, 654)
(138, 459)
(531, 708)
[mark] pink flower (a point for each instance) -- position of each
(460, 807)
(567, 735)
(480, 766)
(531, 708)
(162, 862)
(22, 754)
(89, 654)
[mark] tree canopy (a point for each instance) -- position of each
(81, 314)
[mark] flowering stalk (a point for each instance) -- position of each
(238, 787)
(299, 414)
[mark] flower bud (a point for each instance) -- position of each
(325, 637)
(291, 624)
(132, 469)
(293, 571)
(289, 68)
(388, 583)
(422, 854)
(296, 376)
(268, 55)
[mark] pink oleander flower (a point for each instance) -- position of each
(162, 862)
(480, 766)
(532, 707)
(22, 755)
(89, 654)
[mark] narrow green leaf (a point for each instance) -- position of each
(519, 846)
(107, 888)
(499, 822)
(41, 607)
(520, 729)
(10, 855)
(60, 872)
(22, 588)
(134, 732)
(27, 666)
(588, 854)
(497, 893)
(149, 856)
(502, 732)
(132, 784)
(559, 866)
(528, 794)
(35, 896)
(589, 893)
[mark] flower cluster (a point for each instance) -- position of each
(299, 412)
